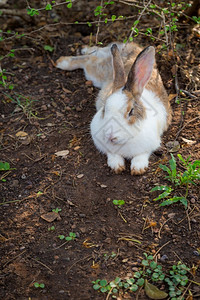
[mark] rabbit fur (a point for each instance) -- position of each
(132, 106)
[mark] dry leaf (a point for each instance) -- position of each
(80, 176)
(153, 292)
(189, 142)
(21, 134)
(51, 216)
(62, 153)
(171, 97)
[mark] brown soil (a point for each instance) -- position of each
(81, 184)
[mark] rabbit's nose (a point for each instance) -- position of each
(113, 139)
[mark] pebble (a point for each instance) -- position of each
(196, 253)
(15, 183)
(61, 292)
(82, 215)
(164, 258)
(23, 176)
(192, 200)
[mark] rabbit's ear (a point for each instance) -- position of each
(140, 72)
(118, 68)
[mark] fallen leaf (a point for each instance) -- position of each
(171, 96)
(189, 142)
(95, 266)
(66, 90)
(80, 176)
(153, 292)
(77, 147)
(103, 186)
(21, 134)
(62, 153)
(51, 216)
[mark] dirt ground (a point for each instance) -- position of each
(55, 114)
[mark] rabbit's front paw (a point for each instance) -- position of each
(139, 164)
(116, 163)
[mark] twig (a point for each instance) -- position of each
(77, 262)
(14, 258)
(161, 248)
(140, 15)
(185, 126)
(98, 24)
(39, 262)
(162, 227)
(110, 292)
(188, 217)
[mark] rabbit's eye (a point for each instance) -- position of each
(130, 112)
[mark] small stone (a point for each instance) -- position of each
(164, 258)
(83, 230)
(78, 109)
(80, 176)
(44, 107)
(196, 253)
(14, 183)
(22, 248)
(192, 200)
(23, 176)
(134, 269)
(82, 215)
(171, 215)
(61, 292)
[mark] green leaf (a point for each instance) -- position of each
(103, 282)
(171, 201)
(134, 288)
(48, 7)
(68, 238)
(103, 289)
(72, 234)
(165, 168)
(136, 22)
(153, 265)
(32, 12)
(48, 48)
(140, 281)
(42, 285)
(61, 237)
(153, 292)
(96, 286)
(69, 5)
(145, 262)
(4, 166)
(113, 18)
(36, 284)
(117, 280)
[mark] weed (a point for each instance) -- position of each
(57, 210)
(52, 228)
(178, 179)
(71, 237)
(39, 285)
(4, 166)
(176, 280)
(118, 203)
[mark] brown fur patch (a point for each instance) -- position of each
(139, 111)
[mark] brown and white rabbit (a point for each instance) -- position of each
(133, 109)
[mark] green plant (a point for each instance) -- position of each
(178, 179)
(52, 228)
(57, 210)
(48, 48)
(71, 237)
(118, 203)
(176, 279)
(4, 166)
(39, 285)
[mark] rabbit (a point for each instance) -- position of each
(132, 106)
